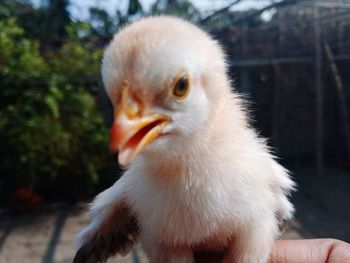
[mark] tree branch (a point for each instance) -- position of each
(220, 11)
(273, 5)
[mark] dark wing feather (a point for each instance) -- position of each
(117, 234)
(282, 224)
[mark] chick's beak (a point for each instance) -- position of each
(132, 131)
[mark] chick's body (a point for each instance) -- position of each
(208, 182)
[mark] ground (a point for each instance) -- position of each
(46, 235)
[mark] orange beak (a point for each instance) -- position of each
(131, 132)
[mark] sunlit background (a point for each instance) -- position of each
(290, 59)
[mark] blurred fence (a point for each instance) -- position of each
(295, 68)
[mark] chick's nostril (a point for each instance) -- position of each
(129, 103)
(133, 107)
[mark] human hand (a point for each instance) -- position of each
(310, 251)
(302, 251)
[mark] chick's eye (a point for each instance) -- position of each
(181, 87)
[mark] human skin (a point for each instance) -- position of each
(300, 251)
(310, 251)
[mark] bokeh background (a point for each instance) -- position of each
(290, 59)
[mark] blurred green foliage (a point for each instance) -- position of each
(52, 135)
(53, 138)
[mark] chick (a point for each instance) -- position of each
(198, 177)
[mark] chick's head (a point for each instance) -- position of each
(164, 77)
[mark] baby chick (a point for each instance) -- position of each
(198, 176)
